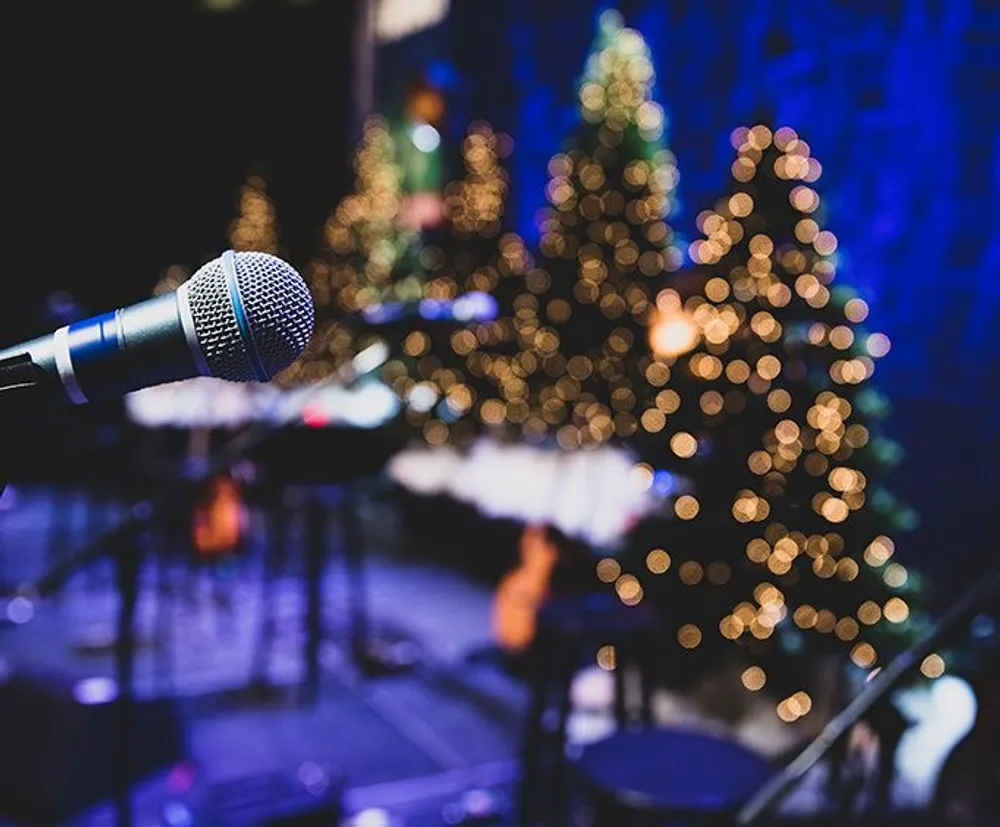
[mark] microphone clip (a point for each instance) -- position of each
(19, 377)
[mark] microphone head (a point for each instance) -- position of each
(252, 314)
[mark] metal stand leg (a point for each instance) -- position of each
(373, 653)
(315, 554)
(353, 540)
(127, 568)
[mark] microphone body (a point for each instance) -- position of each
(243, 317)
(110, 355)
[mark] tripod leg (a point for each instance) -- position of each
(274, 561)
(127, 569)
(353, 545)
(315, 553)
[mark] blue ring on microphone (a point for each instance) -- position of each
(229, 269)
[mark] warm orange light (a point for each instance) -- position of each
(673, 334)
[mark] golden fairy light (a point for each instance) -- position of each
(255, 226)
(689, 636)
(673, 334)
(754, 678)
(629, 589)
(608, 569)
(475, 204)
(658, 561)
(932, 666)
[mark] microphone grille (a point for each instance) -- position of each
(276, 305)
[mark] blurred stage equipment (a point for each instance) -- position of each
(121, 544)
(396, 19)
(522, 592)
(243, 317)
(968, 787)
(594, 496)
(667, 777)
(569, 630)
(60, 740)
(761, 807)
(218, 523)
(309, 798)
(469, 307)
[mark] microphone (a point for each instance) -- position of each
(243, 317)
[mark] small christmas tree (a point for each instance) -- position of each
(436, 373)
(255, 226)
(782, 542)
(569, 356)
(368, 256)
(368, 250)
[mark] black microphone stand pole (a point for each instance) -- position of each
(126, 560)
(769, 797)
(19, 380)
(352, 538)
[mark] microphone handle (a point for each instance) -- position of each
(110, 355)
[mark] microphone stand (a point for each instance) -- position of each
(126, 559)
(19, 380)
(770, 796)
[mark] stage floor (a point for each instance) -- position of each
(405, 746)
(408, 742)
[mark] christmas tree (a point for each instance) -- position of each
(569, 355)
(782, 544)
(255, 226)
(368, 256)
(379, 251)
(464, 256)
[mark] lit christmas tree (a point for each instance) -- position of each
(369, 256)
(255, 226)
(782, 546)
(569, 355)
(368, 250)
(378, 254)
(435, 374)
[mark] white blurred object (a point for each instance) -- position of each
(588, 494)
(944, 712)
(593, 690)
(202, 401)
(207, 402)
(396, 19)
(425, 472)
(372, 817)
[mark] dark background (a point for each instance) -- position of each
(130, 128)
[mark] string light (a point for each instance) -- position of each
(255, 227)
(932, 666)
(475, 204)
